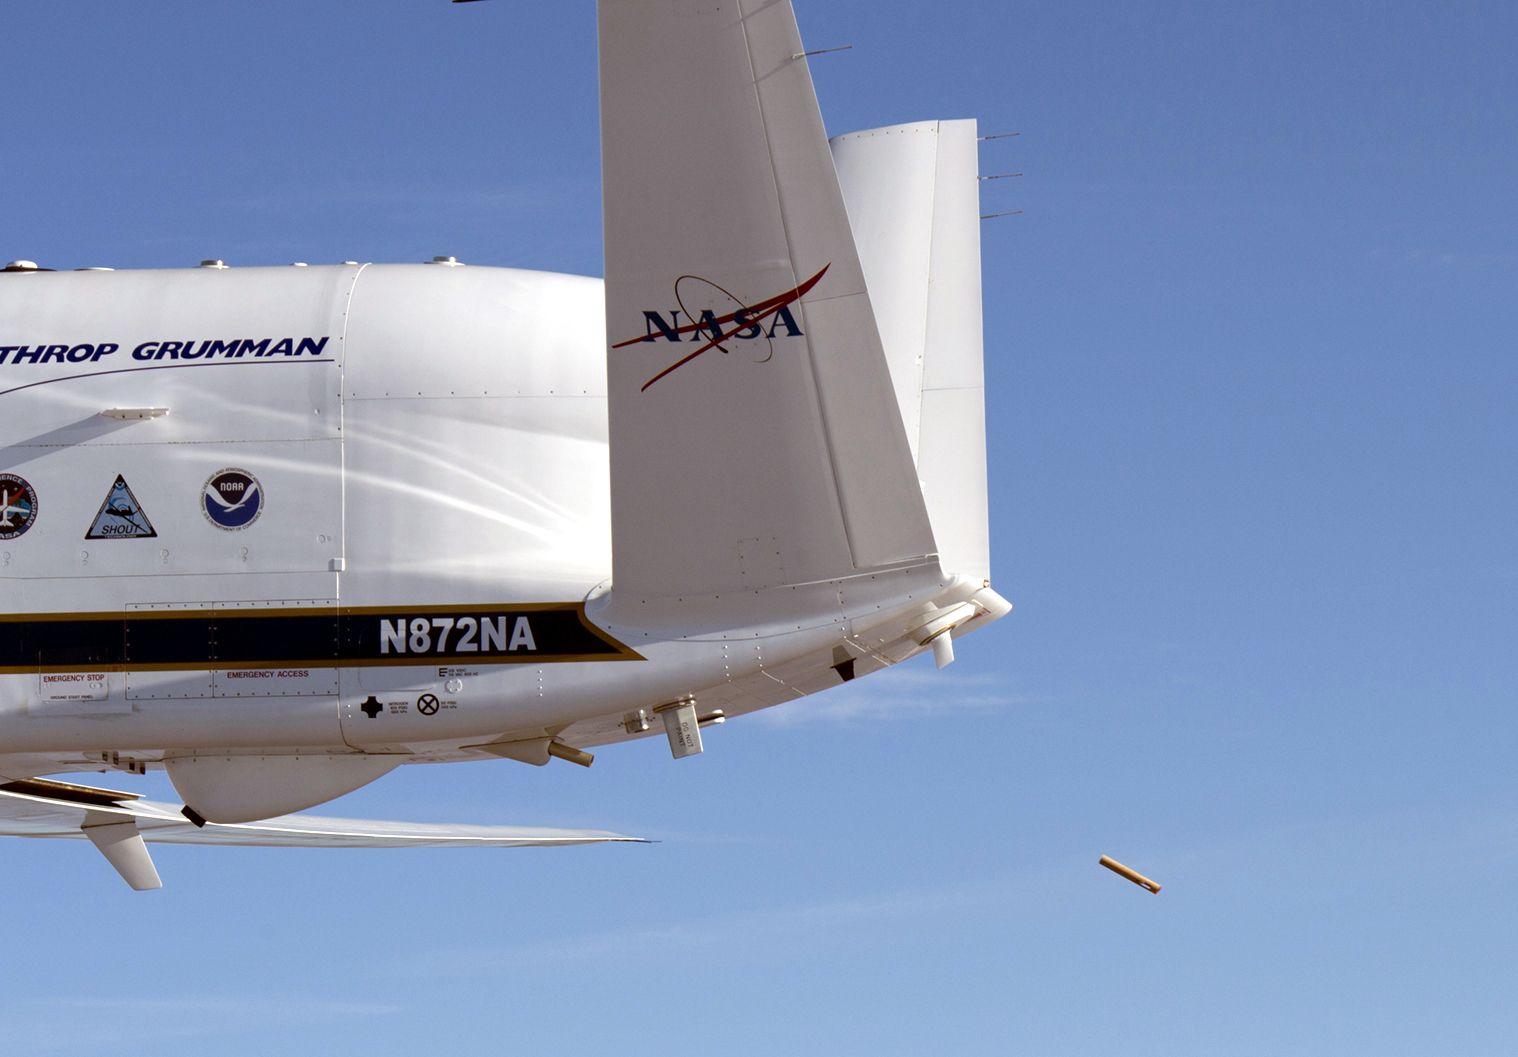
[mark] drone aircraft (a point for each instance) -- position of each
(280, 530)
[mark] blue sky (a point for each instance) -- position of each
(1250, 383)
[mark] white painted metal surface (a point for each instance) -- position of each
(280, 530)
(914, 203)
(771, 459)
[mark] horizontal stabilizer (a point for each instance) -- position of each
(118, 828)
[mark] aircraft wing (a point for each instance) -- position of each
(119, 823)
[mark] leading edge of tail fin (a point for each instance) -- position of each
(755, 434)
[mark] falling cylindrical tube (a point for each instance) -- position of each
(1131, 874)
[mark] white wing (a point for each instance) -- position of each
(118, 824)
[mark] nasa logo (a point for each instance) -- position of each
(120, 517)
(232, 499)
(18, 506)
(764, 319)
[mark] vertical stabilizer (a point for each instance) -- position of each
(755, 437)
(914, 202)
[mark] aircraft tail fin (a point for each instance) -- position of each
(914, 202)
(755, 438)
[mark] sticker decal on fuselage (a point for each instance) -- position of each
(232, 499)
(18, 506)
(121, 516)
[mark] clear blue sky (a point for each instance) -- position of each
(1251, 379)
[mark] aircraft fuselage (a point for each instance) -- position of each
(377, 502)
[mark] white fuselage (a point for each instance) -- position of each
(378, 499)
(280, 530)
(426, 436)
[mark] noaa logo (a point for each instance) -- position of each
(18, 506)
(232, 499)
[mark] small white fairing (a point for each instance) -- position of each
(245, 788)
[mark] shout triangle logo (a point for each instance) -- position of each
(121, 516)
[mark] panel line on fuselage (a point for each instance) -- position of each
(159, 367)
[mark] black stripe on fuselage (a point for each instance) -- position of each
(146, 639)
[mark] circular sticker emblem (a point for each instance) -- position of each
(232, 499)
(18, 506)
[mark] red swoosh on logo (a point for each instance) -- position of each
(754, 313)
